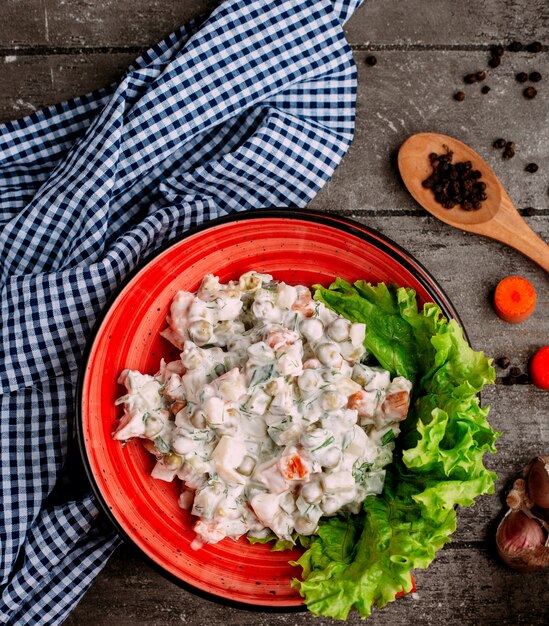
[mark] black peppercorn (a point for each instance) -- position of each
(508, 151)
(515, 46)
(522, 77)
(455, 184)
(494, 61)
(503, 362)
(532, 168)
(523, 379)
(530, 92)
(470, 79)
(515, 371)
(480, 76)
(371, 60)
(535, 47)
(535, 77)
(496, 51)
(459, 96)
(485, 89)
(499, 143)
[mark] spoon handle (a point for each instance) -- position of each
(509, 228)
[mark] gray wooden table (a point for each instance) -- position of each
(54, 49)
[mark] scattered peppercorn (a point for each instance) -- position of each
(532, 168)
(485, 89)
(535, 47)
(499, 143)
(470, 79)
(371, 60)
(459, 96)
(509, 151)
(496, 51)
(535, 77)
(519, 379)
(515, 371)
(494, 61)
(515, 46)
(530, 92)
(521, 77)
(503, 362)
(455, 184)
(480, 76)
(529, 211)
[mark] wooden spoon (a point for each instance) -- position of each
(498, 217)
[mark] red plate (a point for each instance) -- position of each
(299, 247)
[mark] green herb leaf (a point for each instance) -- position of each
(326, 443)
(387, 437)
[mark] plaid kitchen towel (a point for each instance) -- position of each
(251, 107)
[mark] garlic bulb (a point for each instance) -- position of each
(522, 538)
(520, 541)
(538, 481)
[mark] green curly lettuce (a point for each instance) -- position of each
(367, 559)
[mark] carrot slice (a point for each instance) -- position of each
(514, 299)
(293, 468)
(539, 368)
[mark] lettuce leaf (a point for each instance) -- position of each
(366, 560)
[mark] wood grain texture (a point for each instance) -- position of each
(54, 49)
(94, 24)
(380, 23)
(448, 23)
(407, 93)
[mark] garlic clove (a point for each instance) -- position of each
(538, 481)
(517, 498)
(522, 543)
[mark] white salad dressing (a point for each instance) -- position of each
(269, 419)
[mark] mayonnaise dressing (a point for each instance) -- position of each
(270, 418)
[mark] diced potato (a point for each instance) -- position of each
(214, 411)
(271, 476)
(162, 472)
(231, 385)
(258, 402)
(265, 506)
(290, 363)
(287, 295)
(228, 455)
(338, 481)
(357, 447)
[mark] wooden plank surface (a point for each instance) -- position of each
(380, 23)
(54, 49)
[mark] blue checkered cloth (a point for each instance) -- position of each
(251, 107)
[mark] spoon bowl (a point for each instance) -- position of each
(497, 218)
